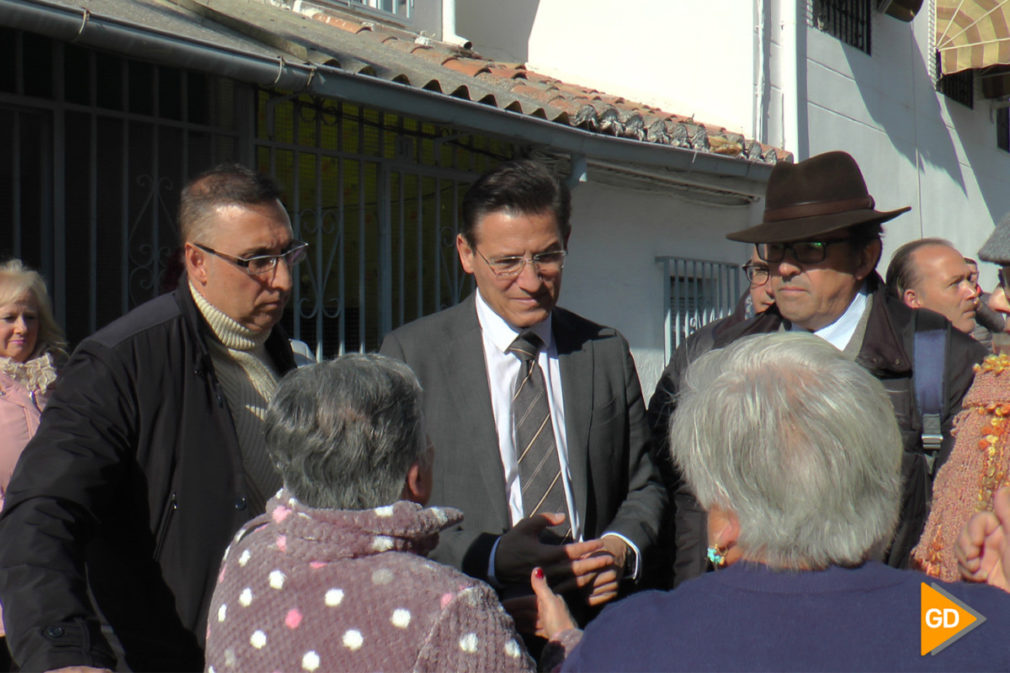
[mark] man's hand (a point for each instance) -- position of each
(606, 581)
(983, 548)
(520, 550)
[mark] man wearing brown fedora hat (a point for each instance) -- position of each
(820, 236)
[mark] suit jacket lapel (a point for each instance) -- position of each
(467, 370)
(575, 357)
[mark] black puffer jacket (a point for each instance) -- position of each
(887, 353)
(126, 499)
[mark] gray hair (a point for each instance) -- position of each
(343, 433)
(798, 441)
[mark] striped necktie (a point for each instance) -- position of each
(539, 467)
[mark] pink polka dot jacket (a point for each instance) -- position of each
(308, 590)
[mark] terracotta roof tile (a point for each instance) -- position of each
(337, 36)
(470, 67)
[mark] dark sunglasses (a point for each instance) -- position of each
(804, 252)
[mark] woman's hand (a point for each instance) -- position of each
(553, 616)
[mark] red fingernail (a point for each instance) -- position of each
(539, 572)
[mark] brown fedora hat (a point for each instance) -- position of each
(823, 194)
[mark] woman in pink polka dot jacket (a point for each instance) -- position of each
(334, 576)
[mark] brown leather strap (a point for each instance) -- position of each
(815, 208)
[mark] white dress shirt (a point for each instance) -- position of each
(503, 370)
(839, 333)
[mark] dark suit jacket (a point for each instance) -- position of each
(614, 481)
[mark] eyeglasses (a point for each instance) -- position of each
(260, 265)
(549, 262)
(804, 252)
(757, 274)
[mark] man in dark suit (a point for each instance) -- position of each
(535, 413)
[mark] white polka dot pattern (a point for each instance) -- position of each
(310, 660)
(321, 605)
(353, 639)
(382, 576)
(334, 597)
(468, 643)
(382, 543)
(400, 618)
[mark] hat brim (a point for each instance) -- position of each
(808, 228)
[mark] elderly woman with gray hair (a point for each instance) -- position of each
(334, 576)
(794, 452)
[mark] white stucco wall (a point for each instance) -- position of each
(689, 58)
(611, 275)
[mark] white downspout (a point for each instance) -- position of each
(792, 75)
(449, 26)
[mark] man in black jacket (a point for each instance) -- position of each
(150, 454)
(821, 238)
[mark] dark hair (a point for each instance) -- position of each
(902, 273)
(862, 235)
(522, 186)
(343, 433)
(224, 184)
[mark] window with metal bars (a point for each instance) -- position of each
(698, 292)
(959, 87)
(848, 20)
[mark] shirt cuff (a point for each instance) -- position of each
(632, 549)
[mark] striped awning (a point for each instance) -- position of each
(972, 34)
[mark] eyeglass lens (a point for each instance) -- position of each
(756, 274)
(804, 252)
(266, 263)
(551, 261)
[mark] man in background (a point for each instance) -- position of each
(151, 452)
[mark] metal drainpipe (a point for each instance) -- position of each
(449, 26)
(792, 77)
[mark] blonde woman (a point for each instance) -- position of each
(31, 347)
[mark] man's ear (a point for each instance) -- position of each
(196, 263)
(466, 253)
(911, 299)
(868, 258)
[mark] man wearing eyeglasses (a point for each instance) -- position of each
(820, 236)
(151, 453)
(561, 478)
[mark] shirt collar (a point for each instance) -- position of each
(501, 333)
(840, 332)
